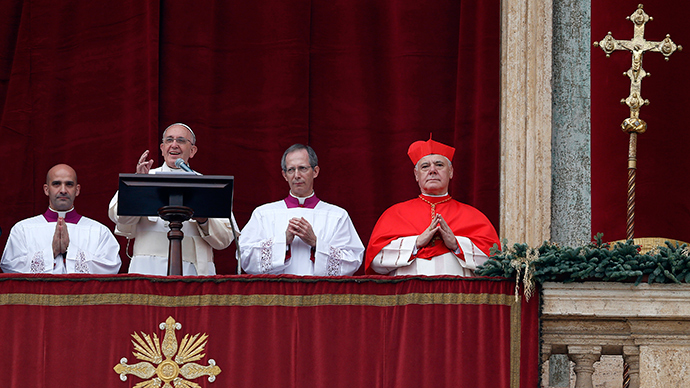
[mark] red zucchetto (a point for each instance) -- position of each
(420, 149)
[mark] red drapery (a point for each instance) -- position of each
(267, 331)
(92, 84)
(662, 208)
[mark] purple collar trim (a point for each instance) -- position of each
(309, 203)
(72, 216)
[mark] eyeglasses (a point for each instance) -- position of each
(301, 169)
(180, 140)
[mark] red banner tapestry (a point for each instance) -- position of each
(266, 331)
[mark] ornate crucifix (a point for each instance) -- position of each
(633, 124)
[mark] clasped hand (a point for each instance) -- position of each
(60, 238)
(438, 225)
(301, 228)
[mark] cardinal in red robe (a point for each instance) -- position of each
(432, 234)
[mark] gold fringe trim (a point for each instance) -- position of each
(255, 300)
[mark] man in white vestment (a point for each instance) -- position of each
(201, 235)
(300, 235)
(60, 240)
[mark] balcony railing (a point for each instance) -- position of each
(649, 325)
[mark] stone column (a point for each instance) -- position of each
(571, 214)
(526, 121)
(584, 358)
(631, 355)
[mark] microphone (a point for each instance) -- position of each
(179, 163)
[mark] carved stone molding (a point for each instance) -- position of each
(649, 325)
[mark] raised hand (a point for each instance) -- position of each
(143, 166)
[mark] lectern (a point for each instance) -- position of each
(175, 197)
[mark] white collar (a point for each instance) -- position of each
(167, 168)
(302, 199)
(60, 213)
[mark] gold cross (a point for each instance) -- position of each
(638, 46)
(633, 124)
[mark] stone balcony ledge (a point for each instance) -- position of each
(610, 300)
(647, 324)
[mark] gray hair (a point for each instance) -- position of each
(313, 160)
(444, 157)
(182, 125)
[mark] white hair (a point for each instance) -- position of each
(448, 160)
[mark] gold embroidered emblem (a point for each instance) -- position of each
(169, 370)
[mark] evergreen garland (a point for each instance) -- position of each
(596, 261)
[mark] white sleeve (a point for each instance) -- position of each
(394, 255)
(261, 251)
(340, 254)
(474, 256)
(219, 234)
(17, 257)
(105, 259)
(124, 225)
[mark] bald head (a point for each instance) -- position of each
(61, 187)
(62, 168)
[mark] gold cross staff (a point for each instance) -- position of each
(633, 124)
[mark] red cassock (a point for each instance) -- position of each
(410, 218)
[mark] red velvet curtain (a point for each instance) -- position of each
(662, 208)
(93, 84)
(267, 331)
